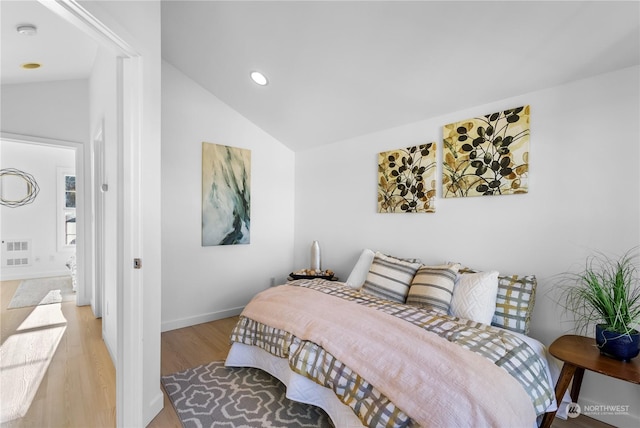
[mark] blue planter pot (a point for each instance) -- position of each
(619, 346)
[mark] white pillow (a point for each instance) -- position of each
(474, 296)
(359, 272)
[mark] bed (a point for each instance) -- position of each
(403, 344)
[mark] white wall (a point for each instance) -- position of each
(584, 195)
(37, 221)
(56, 110)
(47, 111)
(199, 283)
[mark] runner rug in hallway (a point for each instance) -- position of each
(43, 291)
(213, 395)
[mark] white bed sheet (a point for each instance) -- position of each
(299, 388)
(304, 390)
(553, 373)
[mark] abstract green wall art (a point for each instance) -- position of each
(487, 155)
(407, 180)
(226, 195)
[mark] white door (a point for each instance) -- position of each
(100, 186)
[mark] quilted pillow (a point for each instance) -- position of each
(389, 277)
(474, 296)
(432, 287)
(514, 301)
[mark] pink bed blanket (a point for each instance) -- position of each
(437, 383)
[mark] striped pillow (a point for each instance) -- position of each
(389, 278)
(432, 287)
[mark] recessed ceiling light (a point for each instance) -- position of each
(259, 78)
(27, 30)
(30, 66)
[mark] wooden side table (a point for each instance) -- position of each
(580, 353)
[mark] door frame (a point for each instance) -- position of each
(129, 363)
(83, 207)
(98, 183)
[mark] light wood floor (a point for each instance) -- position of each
(78, 389)
(190, 347)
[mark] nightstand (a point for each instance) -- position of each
(579, 353)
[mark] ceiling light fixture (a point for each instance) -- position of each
(259, 78)
(27, 30)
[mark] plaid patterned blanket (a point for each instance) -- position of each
(372, 407)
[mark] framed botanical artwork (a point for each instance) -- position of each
(407, 180)
(487, 155)
(226, 195)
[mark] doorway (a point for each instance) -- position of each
(38, 303)
(137, 361)
(48, 160)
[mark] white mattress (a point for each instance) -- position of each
(304, 390)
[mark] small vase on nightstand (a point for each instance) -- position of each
(315, 257)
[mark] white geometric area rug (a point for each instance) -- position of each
(43, 291)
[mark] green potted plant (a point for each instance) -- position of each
(607, 293)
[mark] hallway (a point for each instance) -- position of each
(76, 384)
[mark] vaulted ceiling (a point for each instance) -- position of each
(340, 69)
(343, 69)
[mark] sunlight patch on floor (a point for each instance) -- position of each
(25, 357)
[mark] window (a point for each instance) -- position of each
(70, 209)
(67, 208)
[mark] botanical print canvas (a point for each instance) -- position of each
(487, 155)
(406, 180)
(226, 195)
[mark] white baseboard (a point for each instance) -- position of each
(199, 319)
(83, 302)
(111, 354)
(12, 276)
(155, 406)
